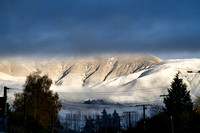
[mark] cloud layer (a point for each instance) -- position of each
(69, 27)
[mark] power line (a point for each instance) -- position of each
(129, 116)
(104, 92)
(144, 108)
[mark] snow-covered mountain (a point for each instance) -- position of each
(147, 85)
(118, 78)
(75, 72)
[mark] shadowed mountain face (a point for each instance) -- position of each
(78, 72)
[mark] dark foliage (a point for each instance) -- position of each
(161, 123)
(157, 124)
(16, 124)
(104, 123)
(101, 102)
(197, 105)
(98, 101)
(178, 105)
(178, 100)
(38, 103)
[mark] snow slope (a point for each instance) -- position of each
(75, 73)
(147, 85)
(131, 84)
(144, 86)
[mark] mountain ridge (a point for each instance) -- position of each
(80, 72)
(142, 86)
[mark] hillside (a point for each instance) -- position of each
(124, 78)
(74, 72)
(147, 85)
(144, 86)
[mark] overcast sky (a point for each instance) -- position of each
(164, 28)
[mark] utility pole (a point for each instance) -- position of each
(24, 113)
(5, 101)
(5, 107)
(129, 117)
(144, 108)
(3, 111)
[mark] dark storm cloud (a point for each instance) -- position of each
(93, 26)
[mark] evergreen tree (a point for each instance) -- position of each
(98, 123)
(179, 106)
(104, 118)
(89, 125)
(178, 99)
(116, 119)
